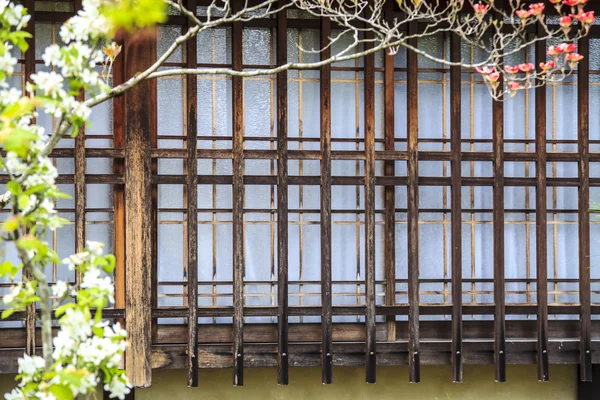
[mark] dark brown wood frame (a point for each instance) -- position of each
(412, 342)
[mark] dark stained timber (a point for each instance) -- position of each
(238, 203)
(498, 227)
(282, 204)
(192, 210)
(326, 314)
(28, 69)
(456, 214)
(583, 103)
(139, 127)
(370, 337)
(389, 256)
(541, 218)
(412, 115)
(135, 156)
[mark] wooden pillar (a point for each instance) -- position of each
(139, 52)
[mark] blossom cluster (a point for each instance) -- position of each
(563, 57)
(87, 350)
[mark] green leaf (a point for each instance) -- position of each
(23, 201)
(10, 225)
(7, 313)
(61, 392)
(62, 309)
(6, 268)
(13, 187)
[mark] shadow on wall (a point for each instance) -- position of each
(349, 383)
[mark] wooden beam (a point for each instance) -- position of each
(80, 188)
(282, 203)
(498, 228)
(369, 126)
(588, 390)
(412, 119)
(192, 208)
(456, 213)
(28, 69)
(389, 256)
(139, 53)
(238, 203)
(583, 108)
(541, 217)
(326, 299)
(119, 189)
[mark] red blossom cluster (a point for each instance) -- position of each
(520, 76)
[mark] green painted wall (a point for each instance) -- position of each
(392, 383)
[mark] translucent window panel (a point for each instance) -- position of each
(400, 104)
(561, 115)
(257, 46)
(519, 169)
(519, 111)
(214, 46)
(478, 245)
(519, 122)
(214, 110)
(304, 260)
(434, 94)
(99, 196)
(101, 121)
(166, 35)
(259, 116)
(563, 252)
(347, 105)
(434, 256)
(519, 246)
(170, 106)
(303, 88)
(401, 257)
(96, 166)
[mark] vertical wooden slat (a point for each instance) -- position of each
(389, 256)
(541, 217)
(585, 320)
(369, 121)
(412, 115)
(456, 214)
(28, 69)
(238, 204)
(282, 202)
(192, 209)
(119, 190)
(498, 228)
(326, 314)
(139, 128)
(80, 168)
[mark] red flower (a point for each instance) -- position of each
(553, 51)
(586, 18)
(480, 9)
(511, 70)
(486, 70)
(555, 1)
(515, 86)
(536, 9)
(493, 77)
(526, 67)
(570, 3)
(566, 21)
(566, 47)
(523, 14)
(545, 67)
(574, 57)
